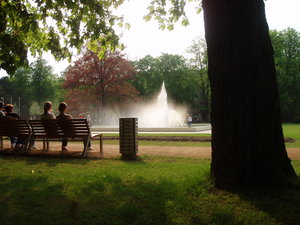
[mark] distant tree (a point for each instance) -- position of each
(99, 83)
(5, 88)
(148, 78)
(21, 90)
(286, 46)
(25, 26)
(36, 83)
(181, 82)
(43, 82)
(199, 63)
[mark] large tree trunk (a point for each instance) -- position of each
(247, 141)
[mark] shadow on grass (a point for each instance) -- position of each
(54, 160)
(50, 161)
(282, 204)
(112, 198)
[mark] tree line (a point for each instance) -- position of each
(115, 81)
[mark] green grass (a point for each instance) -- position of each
(292, 130)
(151, 191)
(289, 130)
(165, 143)
(165, 134)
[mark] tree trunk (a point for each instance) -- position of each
(247, 141)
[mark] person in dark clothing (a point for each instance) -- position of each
(10, 114)
(2, 114)
(9, 109)
(62, 108)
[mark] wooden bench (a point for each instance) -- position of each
(15, 128)
(71, 129)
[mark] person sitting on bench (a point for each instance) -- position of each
(62, 108)
(10, 114)
(48, 114)
(2, 114)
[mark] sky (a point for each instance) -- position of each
(145, 38)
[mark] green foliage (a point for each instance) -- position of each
(286, 46)
(57, 26)
(199, 63)
(181, 82)
(168, 12)
(43, 81)
(37, 83)
(151, 191)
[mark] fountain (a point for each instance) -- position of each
(159, 113)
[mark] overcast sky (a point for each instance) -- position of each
(145, 38)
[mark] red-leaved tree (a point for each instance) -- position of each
(96, 84)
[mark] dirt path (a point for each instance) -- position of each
(198, 152)
(111, 151)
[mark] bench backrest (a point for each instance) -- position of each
(11, 127)
(60, 128)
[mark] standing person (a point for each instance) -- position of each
(15, 141)
(89, 121)
(48, 114)
(1, 109)
(189, 120)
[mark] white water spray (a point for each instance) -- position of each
(160, 114)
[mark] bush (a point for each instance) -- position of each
(296, 119)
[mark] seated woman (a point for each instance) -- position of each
(63, 116)
(48, 114)
(10, 114)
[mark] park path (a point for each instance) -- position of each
(182, 151)
(112, 151)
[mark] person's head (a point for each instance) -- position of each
(9, 108)
(47, 106)
(1, 105)
(62, 107)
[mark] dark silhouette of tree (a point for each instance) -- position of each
(247, 142)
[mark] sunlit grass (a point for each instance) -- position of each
(290, 130)
(154, 190)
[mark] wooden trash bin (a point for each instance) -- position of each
(128, 134)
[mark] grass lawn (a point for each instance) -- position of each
(151, 191)
(289, 130)
(292, 130)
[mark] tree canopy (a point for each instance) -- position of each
(58, 26)
(94, 83)
(32, 86)
(286, 44)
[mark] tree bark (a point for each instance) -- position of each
(247, 141)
